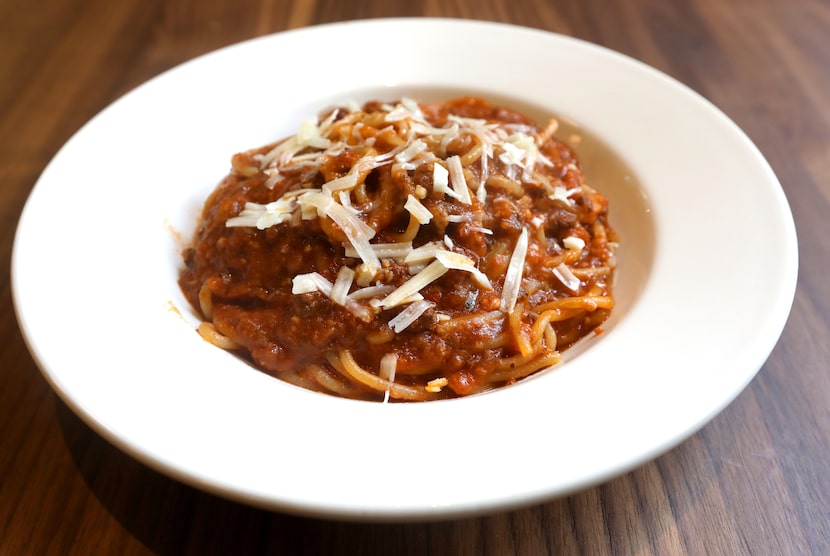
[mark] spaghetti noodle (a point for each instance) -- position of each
(404, 251)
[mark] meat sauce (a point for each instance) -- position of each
(248, 272)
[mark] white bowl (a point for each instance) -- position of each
(707, 275)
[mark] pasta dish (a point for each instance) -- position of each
(404, 251)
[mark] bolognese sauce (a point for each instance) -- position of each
(404, 251)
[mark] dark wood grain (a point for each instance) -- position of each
(756, 480)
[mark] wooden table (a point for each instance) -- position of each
(756, 480)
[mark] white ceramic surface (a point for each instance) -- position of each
(707, 274)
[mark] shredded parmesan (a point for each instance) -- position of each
(457, 261)
(428, 275)
(567, 277)
(397, 251)
(418, 210)
(513, 276)
(456, 218)
(402, 320)
(315, 282)
(424, 253)
(311, 282)
(481, 192)
(436, 385)
(265, 216)
(512, 154)
(388, 365)
(309, 135)
(388, 368)
(412, 298)
(357, 231)
(360, 168)
(440, 178)
(342, 284)
(414, 108)
(346, 200)
(371, 292)
(563, 195)
(573, 243)
(459, 183)
(521, 150)
(403, 111)
(411, 151)
(344, 182)
(249, 216)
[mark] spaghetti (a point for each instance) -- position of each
(404, 251)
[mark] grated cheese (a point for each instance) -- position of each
(411, 151)
(344, 182)
(456, 218)
(360, 168)
(573, 243)
(424, 253)
(345, 198)
(309, 135)
(249, 216)
(388, 366)
(452, 133)
(513, 276)
(311, 282)
(265, 216)
(425, 277)
(397, 113)
(397, 251)
(436, 385)
(274, 176)
(481, 192)
(512, 154)
(457, 261)
(342, 285)
(563, 195)
(458, 181)
(440, 178)
(482, 230)
(315, 282)
(387, 370)
(411, 298)
(402, 320)
(414, 108)
(357, 232)
(567, 277)
(416, 209)
(371, 292)
(488, 135)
